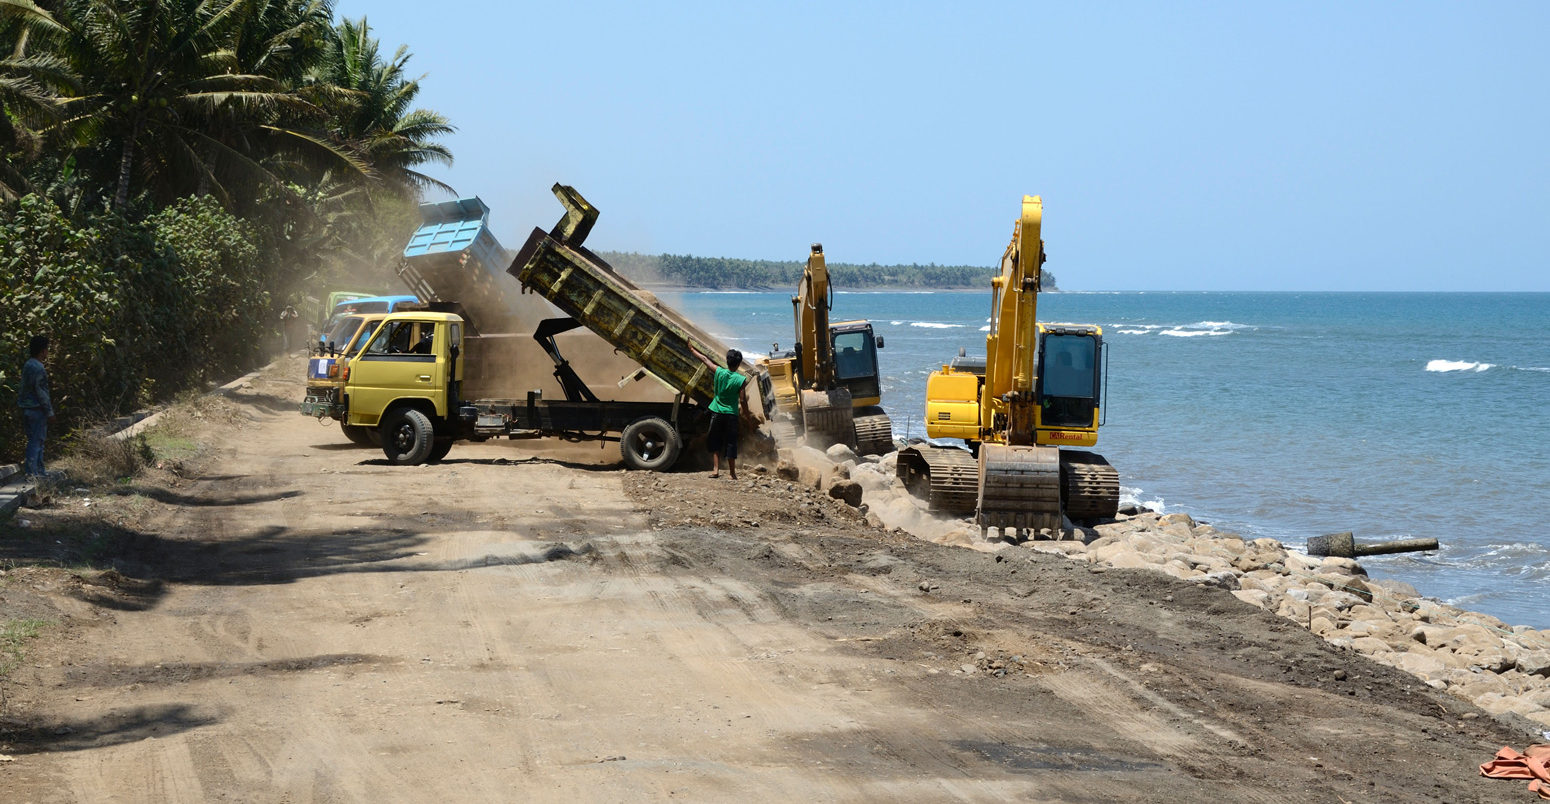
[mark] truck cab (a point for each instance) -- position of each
(325, 374)
(404, 383)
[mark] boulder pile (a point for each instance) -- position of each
(1499, 667)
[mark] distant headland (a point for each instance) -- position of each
(720, 273)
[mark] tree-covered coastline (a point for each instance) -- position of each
(174, 174)
(726, 272)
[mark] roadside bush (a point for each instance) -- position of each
(137, 310)
(52, 281)
(93, 459)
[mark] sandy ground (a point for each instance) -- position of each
(287, 618)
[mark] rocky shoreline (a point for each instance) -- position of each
(1503, 669)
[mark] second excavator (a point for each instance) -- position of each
(828, 387)
(1035, 394)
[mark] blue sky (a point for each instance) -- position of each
(1185, 146)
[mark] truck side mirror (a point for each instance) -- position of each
(454, 351)
(879, 341)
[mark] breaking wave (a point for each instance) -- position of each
(935, 325)
(1135, 496)
(1457, 365)
(1194, 330)
(1193, 333)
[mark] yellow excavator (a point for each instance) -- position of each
(827, 388)
(1036, 393)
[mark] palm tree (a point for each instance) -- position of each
(205, 81)
(29, 91)
(369, 102)
(374, 114)
(282, 40)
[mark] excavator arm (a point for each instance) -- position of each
(812, 303)
(1007, 404)
(826, 407)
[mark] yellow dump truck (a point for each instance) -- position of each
(407, 383)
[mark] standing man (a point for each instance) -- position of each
(37, 407)
(731, 398)
(288, 318)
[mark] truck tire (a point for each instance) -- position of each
(439, 449)
(650, 444)
(407, 437)
(361, 436)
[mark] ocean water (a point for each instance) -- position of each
(1287, 415)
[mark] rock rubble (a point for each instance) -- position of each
(1503, 669)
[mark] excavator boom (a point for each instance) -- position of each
(1009, 347)
(813, 301)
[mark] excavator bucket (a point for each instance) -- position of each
(828, 418)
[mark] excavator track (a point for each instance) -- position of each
(828, 418)
(1089, 484)
(874, 433)
(947, 477)
(1019, 487)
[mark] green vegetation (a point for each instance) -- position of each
(95, 460)
(14, 635)
(172, 174)
(724, 272)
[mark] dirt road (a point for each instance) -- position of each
(290, 619)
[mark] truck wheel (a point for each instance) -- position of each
(651, 444)
(407, 437)
(359, 435)
(439, 449)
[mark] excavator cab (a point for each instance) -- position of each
(855, 361)
(1069, 384)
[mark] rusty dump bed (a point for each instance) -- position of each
(556, 266)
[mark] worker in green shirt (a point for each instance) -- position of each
(731, 398)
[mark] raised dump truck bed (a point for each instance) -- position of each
(454, 257)
(555, 265)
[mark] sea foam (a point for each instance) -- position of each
(1191, 333)
(1205, 328)
(1457, 365)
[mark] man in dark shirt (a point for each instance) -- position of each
(37, 407)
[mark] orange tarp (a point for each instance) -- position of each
(1533, 764)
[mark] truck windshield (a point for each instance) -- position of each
(854, 356)
(341, 331)
(350, 310)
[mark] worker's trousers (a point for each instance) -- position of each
(36, 421)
